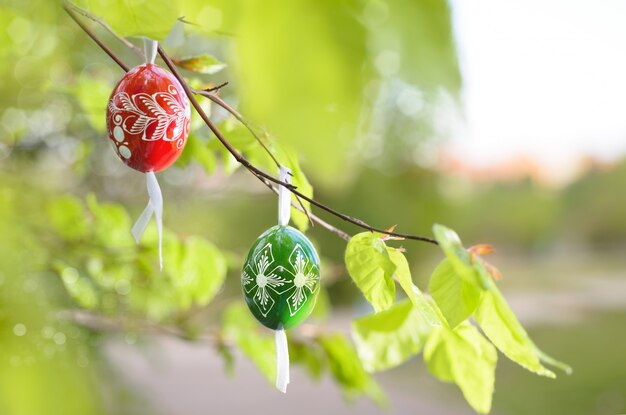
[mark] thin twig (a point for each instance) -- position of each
(241, 159)
(219, 101)
(126, 42)
(305, 210)
(99, 322)
(210, 93)
(312, 217)
(95, 38)
(216, 88)
(232, 150)
(214, 336)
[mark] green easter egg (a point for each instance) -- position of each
(280, 277)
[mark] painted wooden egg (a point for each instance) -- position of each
(280, 277)
(148, 118)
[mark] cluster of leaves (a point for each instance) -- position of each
(317, 352)
(104, 270)
(209, 152)
(38, 348)
(462, 288)
(454, 350)
(332, 352)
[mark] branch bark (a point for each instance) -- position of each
(67, 5)
(264, 177)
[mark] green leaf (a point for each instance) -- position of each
(457, 282)
(391, 337)
(112, 224)
(371, 268)
(299, 179)
(456, 297)
(93, 94)
(549, 360)
(171, 244)
(202, 271)
(462, 286)
(500, 325)
(347, 369)
(239, 136)
(243, 329)
(229, 163)
(79, 288)
(152, 292)
(465, 357)
(149, 18)
(198, 150)
(67, 217)
(323, 307)
(402, 272)
(197, 124)
(203, 63)
(403, 275)
(310, 356)
(460, 259)
(227, 355)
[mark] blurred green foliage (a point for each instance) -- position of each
(348, 90)
(42, 356)
(389, 338)
(454, 349)
(102, 267)
(371, 268)
(149, 18)
(465, 357)
(52, 122)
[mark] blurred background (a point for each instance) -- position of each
(501, 120)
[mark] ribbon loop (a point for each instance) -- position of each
(154, 207)
(150, 49)
(284, 197)
(282, 350)
(282, 360)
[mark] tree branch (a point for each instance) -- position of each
(102, 323)
(209, 93)
(219, 101)
(312, 217)
(260, 174)
(92, 35)
(67, 5)
(216, 88)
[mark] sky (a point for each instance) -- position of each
(545, 79)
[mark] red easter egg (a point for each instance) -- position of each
(148, 118)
